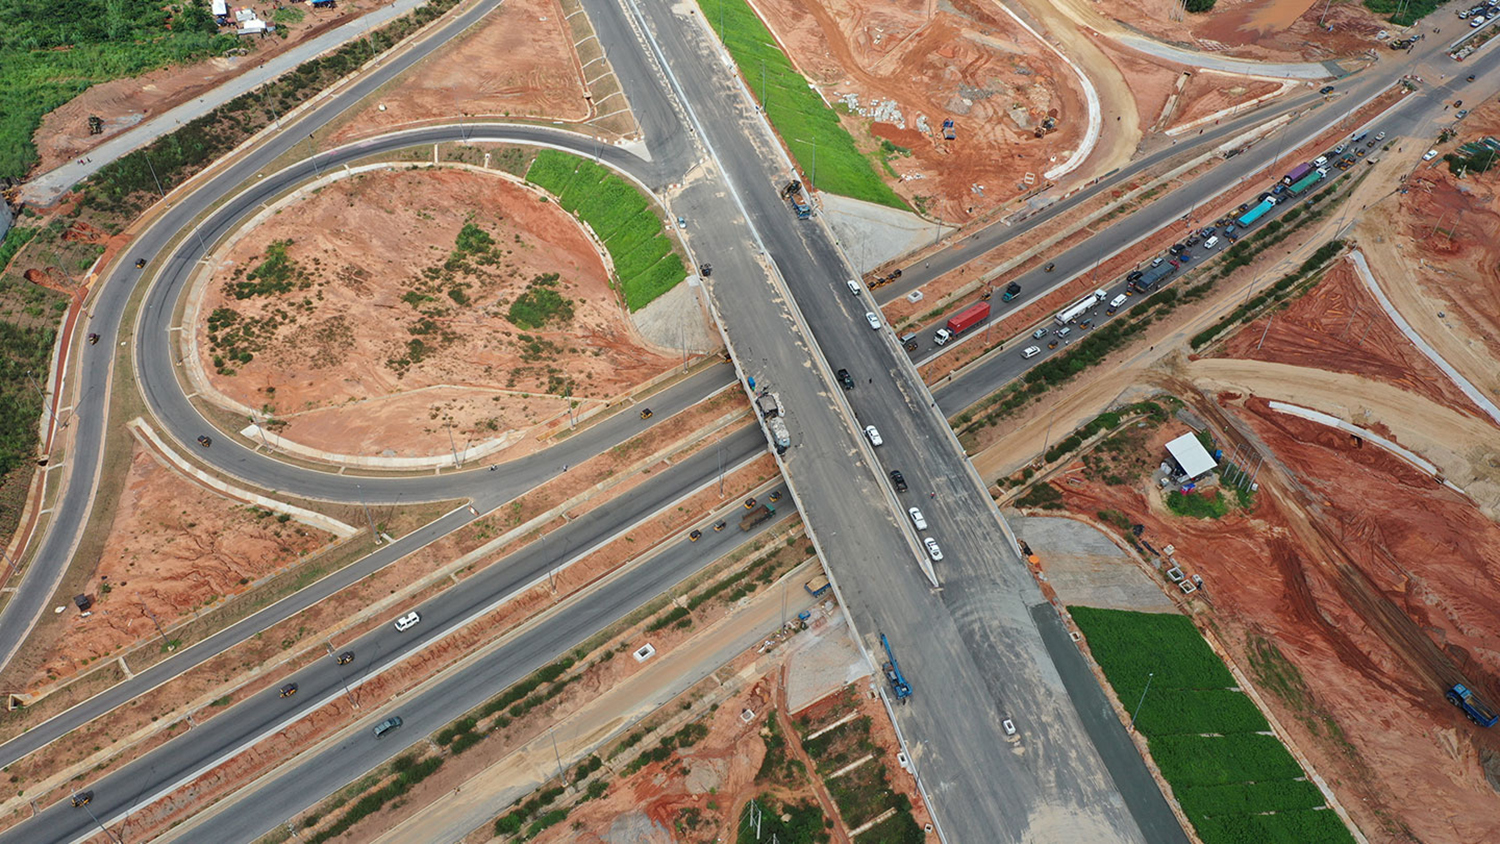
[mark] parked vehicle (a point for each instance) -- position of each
(1473, 708)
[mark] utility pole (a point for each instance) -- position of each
(561, 774)
(41, 395)
(312, 145)
(1263, 333)
(452, 444)
(166, 643)
(153, 176)
(373, 532)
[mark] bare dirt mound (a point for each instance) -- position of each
(517, 62)
(173, 548)
(1281, 30)
(1338, 326)
(907, 70)
(375, 314)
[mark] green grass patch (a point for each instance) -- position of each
(1235, 781)
(1198, 505)
(796, 110)
(540, 303)
(409, 771)
(645, 262)
(23, 349)
(1402, 12)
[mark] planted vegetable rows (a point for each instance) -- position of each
(620, 216)
(1233, 778)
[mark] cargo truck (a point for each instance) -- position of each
(962, 321)
(757, 515)
(1297, 173)
(1081, 307)
(1256, 213)
(769, 407)
(1307, 181)
(1477, 710)
(1153, 276)
(818, 586)
(792, 193)
(1011, 291)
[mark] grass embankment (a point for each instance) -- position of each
(798, 114)
(620, 216)
(1402, 12)
(25, 347)
(55, 51)
(1234, 779)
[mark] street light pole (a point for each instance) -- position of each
(1137, 711)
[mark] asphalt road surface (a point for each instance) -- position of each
(668, 154)
(199, 749)
(972, 652)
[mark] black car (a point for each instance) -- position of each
(706, 270)
(898, 481)
(1134, 275)
(1177, 249)
(1326, 89)
(845, 379)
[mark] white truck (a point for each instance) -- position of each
(1081, 307)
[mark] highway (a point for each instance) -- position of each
(987, 606)
(92, 377)
(972, 652)
(179, 760)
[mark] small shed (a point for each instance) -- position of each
(220, 8)
(1192, 459)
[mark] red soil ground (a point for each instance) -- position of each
(1338, 326)
(174, 547)
(518, 62)
(971, 65)
(1281, 30)
(1373, 725)
(327, 371)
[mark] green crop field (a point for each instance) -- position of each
(54, 51)
(799, 115)
(624, 219)
(1233, 778)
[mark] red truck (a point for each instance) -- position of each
(962, 321)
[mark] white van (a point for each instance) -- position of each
(1211, 242)
(1320, 161)
(1116, 302)
(853, 286)
(408, 621)
(1031, 351)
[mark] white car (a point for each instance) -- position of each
(1429, 155)
(917, 518)
(1031, 352)
(1477, 22)
(853, 286)
(1010, 726)
(873, 434)
(933, 550)
(1379, 136)
(872, 319)
(408, 621)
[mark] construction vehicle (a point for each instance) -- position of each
(1048, 124)
(756, 516)
(792, 193)
(1477, 710)
(766, 402)
(949, 133)
(1012, 290)
(899, 687)
(962, 321)
(96, 126)
(779, 434)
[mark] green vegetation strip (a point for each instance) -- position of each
(54, 51)
(620, 216)
(799, 115)
(1235, 781)
(25, 351)
(128, 185)
(409, 771)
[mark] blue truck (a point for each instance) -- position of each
(899, 687)
(1477, 710)
(1256, 213)
(792, 193)
(1151, 277)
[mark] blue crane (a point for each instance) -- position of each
(899, 687)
